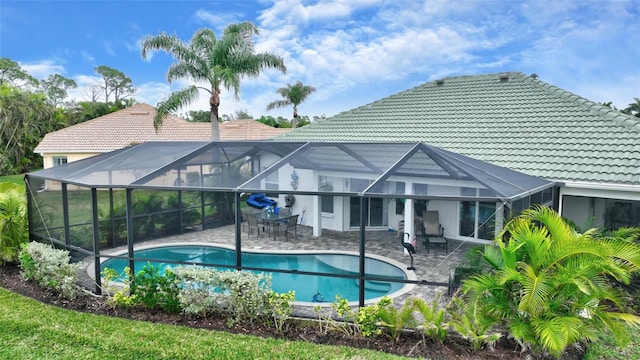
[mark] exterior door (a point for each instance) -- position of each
(375, 212)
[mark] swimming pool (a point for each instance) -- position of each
(308, 288)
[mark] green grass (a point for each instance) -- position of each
(16, 179)
(607, 349)
(31, 330)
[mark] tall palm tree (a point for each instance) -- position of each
(220, 62)
(293, 95)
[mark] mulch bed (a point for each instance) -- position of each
(299, 330)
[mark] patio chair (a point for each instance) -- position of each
(433, 231)
(245, 213)
(291, 223)
(252, 224)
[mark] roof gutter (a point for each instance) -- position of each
(600, 186)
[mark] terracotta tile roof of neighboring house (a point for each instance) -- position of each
(508, 119)
(135, 125)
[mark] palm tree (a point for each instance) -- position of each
(552, 286)
(293, 95)
(633, 108)
(220, 62)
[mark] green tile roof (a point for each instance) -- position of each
(521, 123)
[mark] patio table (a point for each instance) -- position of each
(271, 219)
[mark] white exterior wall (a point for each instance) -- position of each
(449, 214)
(47, 158)
(578, 209)
(580, 201)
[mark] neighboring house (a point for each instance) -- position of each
(511, 120)
(134, 125)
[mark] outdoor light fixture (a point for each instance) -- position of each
(294, 180)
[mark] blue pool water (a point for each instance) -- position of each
(305, 286)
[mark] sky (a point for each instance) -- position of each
(353, 52)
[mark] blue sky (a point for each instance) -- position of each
(353, 51)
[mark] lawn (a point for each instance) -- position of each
(32, 330)
(16, 179)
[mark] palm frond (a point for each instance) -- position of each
(535, 292)
(493, 256)
(278, 104)
(163, 41)
(558, 332)
(551, 220)
(174, 102)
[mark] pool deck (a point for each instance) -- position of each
(434, 266)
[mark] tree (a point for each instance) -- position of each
(116, 83)
(633, 108)
(25, 118)
(269, 120)
(10, 72)
(237, 115)
(55, 87)
(551, 286)
(293, 95)
(198, 116)
(93, 92)
(218, 62)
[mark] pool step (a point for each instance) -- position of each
(373, 285)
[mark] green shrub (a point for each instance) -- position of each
(244, 295)
(474, 327)
(279, 310)
(247, 294)
(199, 292)
(396, 321)
(156, 288)
(434, 324)
(551, 286)
(50, 268)
(365, 321)
(119, 296)
(14, 230)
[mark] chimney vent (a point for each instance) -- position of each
(504, 77)
(439, 82)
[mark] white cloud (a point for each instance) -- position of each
(42, 69)
(152, 92)
(217, 20)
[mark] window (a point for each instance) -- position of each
(326, 201)
(326, 204)
(59, 160)
(400, 201)
(477, 219)
(621, 213)
(271, 183)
